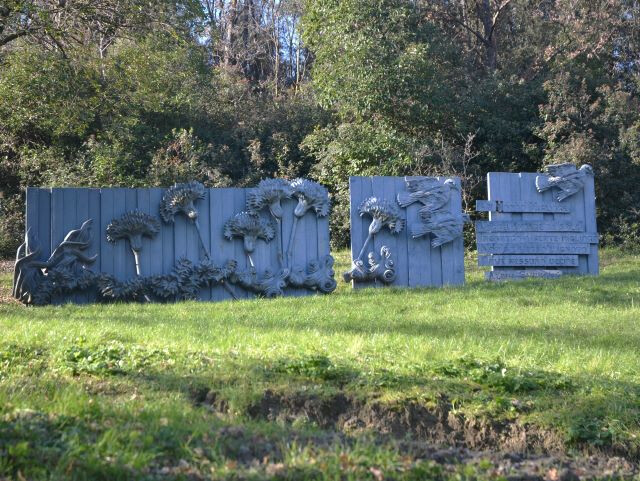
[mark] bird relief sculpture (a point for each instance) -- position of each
(383, 214)
(434, 214)
(565, 179)
(66, 270)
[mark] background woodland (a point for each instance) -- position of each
(227, 92)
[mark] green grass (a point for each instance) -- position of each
(118, 391)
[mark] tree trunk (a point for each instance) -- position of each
(229, 36)
(483, 9)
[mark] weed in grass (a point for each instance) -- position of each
(589, 430)
(20, 360)
(111, 358)
(313, 367)
(498, 376)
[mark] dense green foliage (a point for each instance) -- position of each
(114, 92)
(470, 87)
(163, 391)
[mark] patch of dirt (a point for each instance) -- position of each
(439, 425)
(515, 450)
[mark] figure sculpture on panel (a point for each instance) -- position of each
(434, 216)
(565, 178)
(35, 282)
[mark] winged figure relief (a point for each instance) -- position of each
(566, 178)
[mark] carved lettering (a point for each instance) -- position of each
(520, 206)
(527, 226)
(528, 261)
(545, 237)
(521, 274)
(532, 248)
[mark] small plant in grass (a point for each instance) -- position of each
(111, 358)
(315, 367)
(497, 375)
(590, 430)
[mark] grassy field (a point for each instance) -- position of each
(355, 385)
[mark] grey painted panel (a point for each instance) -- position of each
(82, 214)
(516, 220)
(94, 248)
(44, 222)
(528, 260)
(156, 245)
(529, 226)
(239, 204)
(32, 210)
(54, 213)
(123, 258)
(221, 248)
(204, 220)
(392, 185)
(107, 249)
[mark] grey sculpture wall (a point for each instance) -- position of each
(534, 233)
(417, 263)
(52, 213)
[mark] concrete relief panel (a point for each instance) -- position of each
(540, 225)
(184, 242)
(406, 232)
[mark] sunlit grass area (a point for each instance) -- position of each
(115, 391)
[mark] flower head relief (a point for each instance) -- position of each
(181, 198)
(310, 195)
(383, 213)
(250, 227)
(133, 226)
(269, 193)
